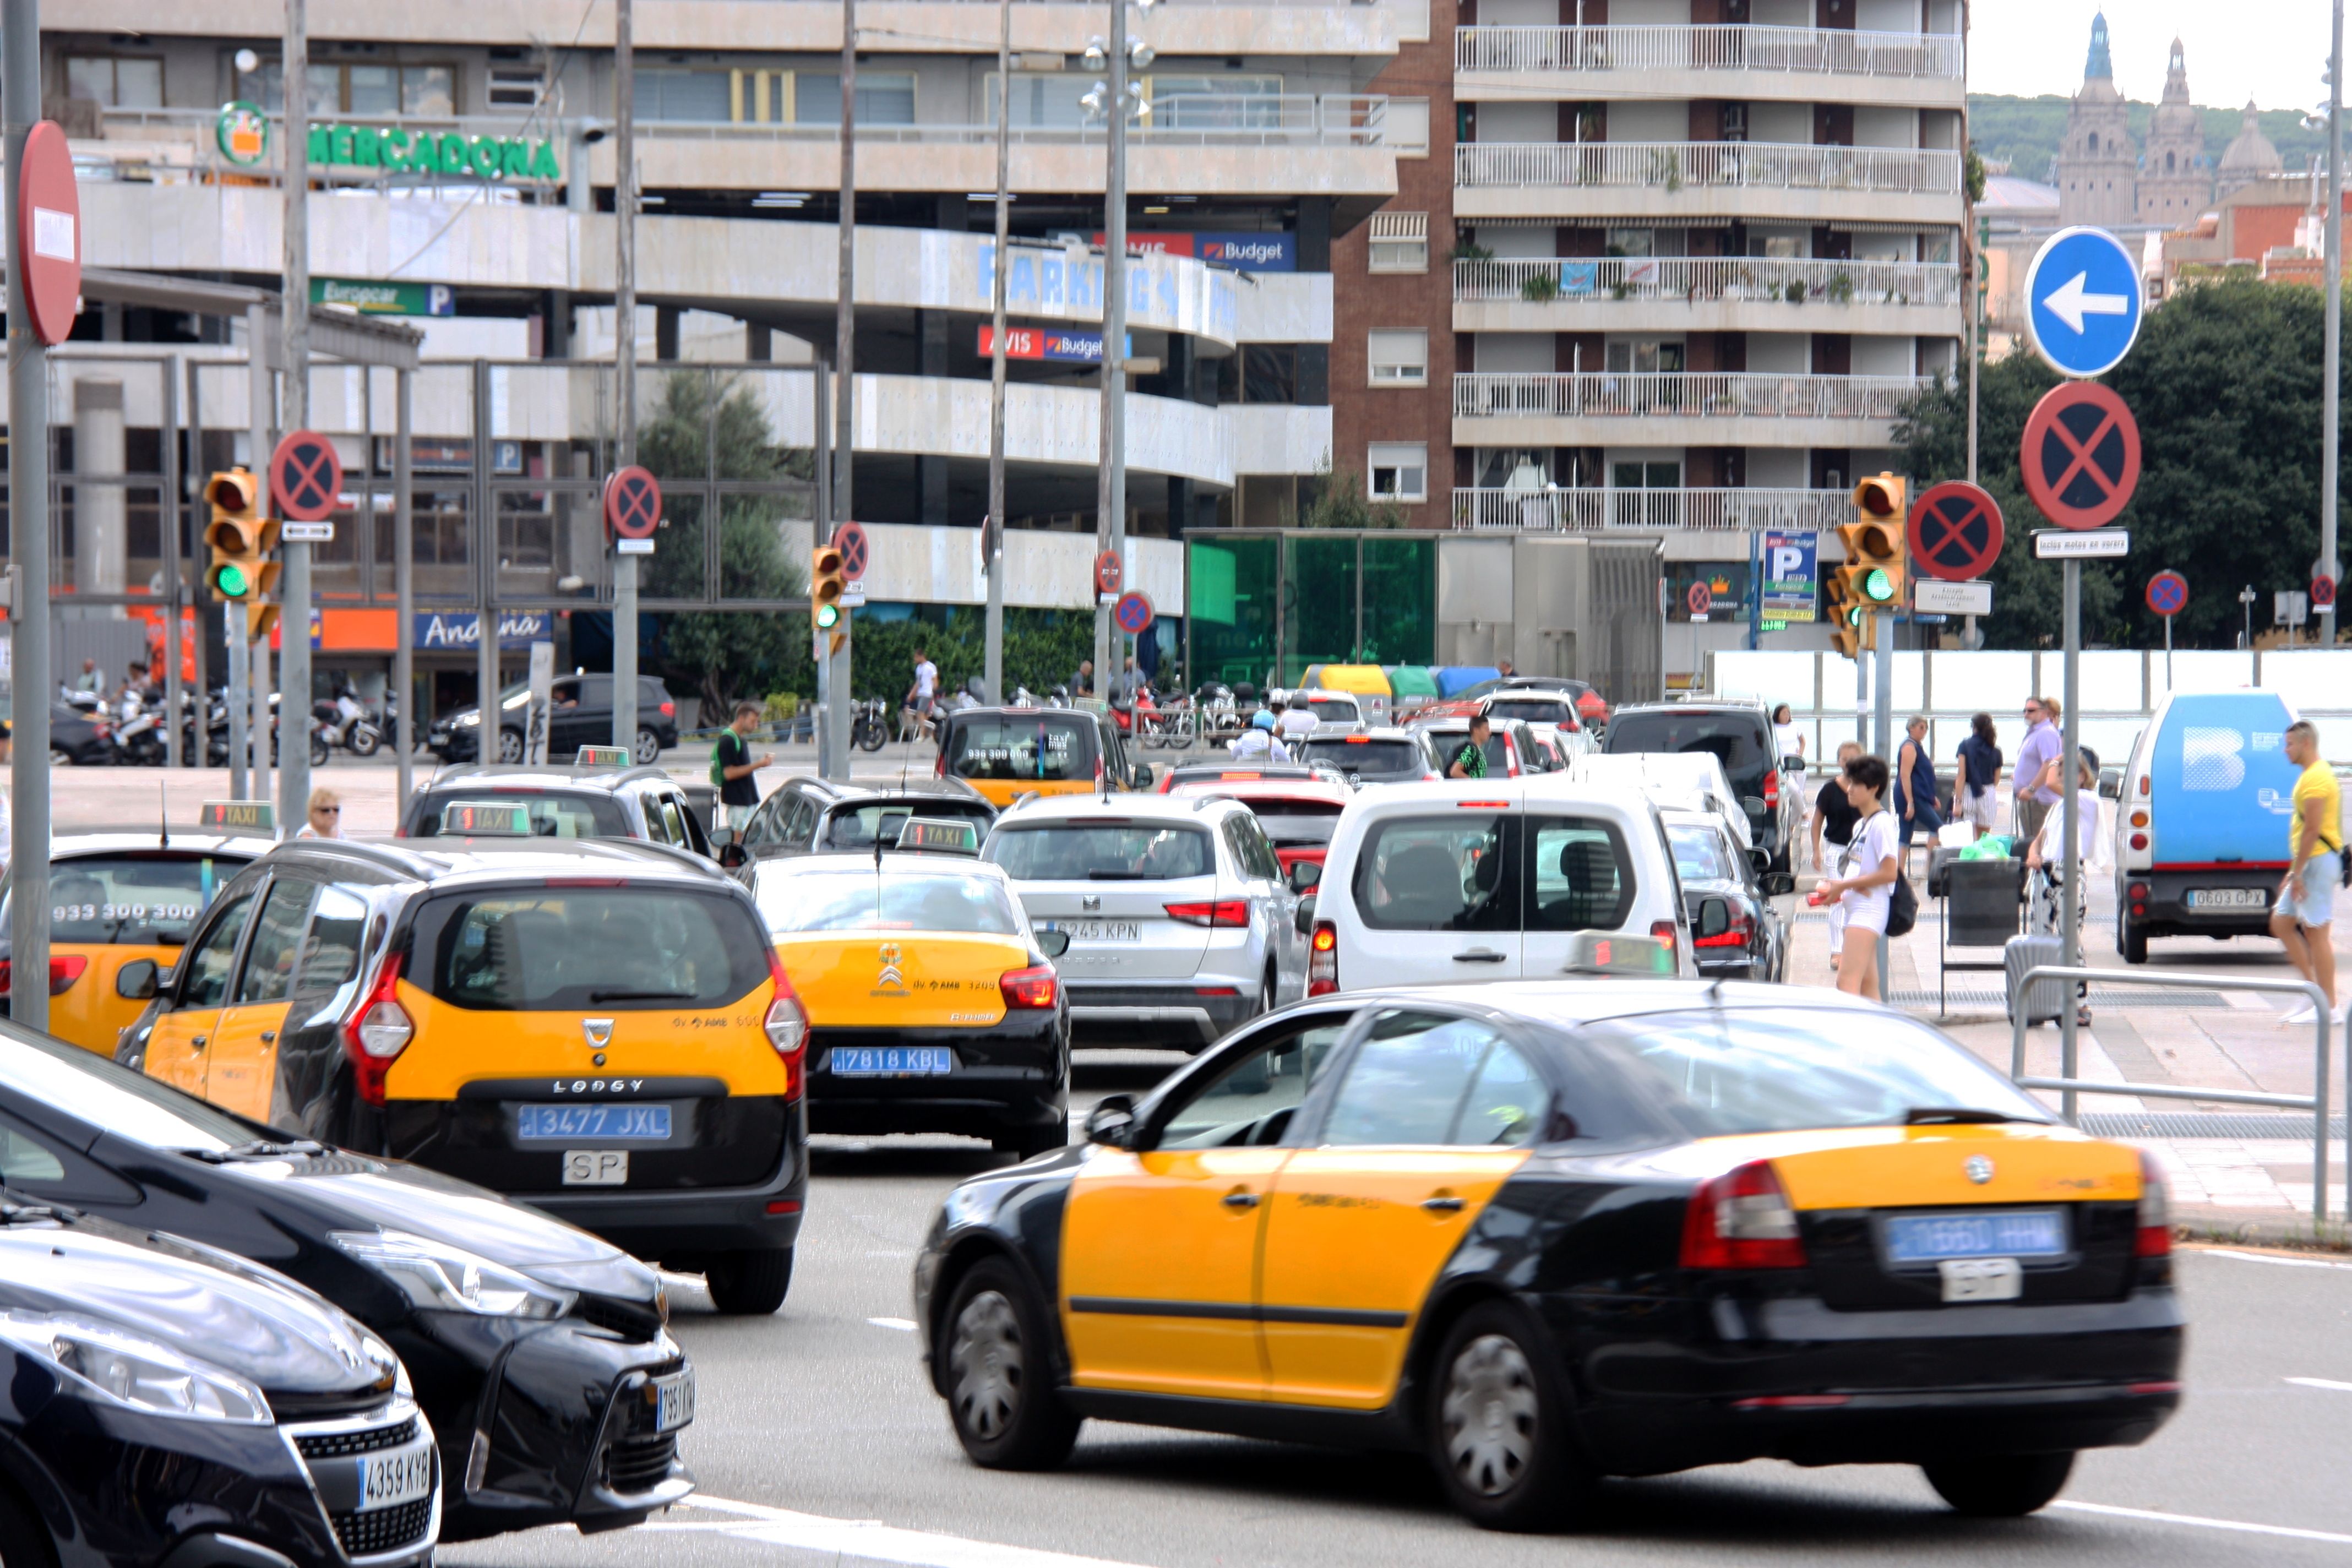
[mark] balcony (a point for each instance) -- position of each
(1679, 180)
(1660, 408)
(1740, 63)
(1555, 510)
(1707, 294)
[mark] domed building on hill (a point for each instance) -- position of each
(2249, 157)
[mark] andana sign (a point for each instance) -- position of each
(244, 135)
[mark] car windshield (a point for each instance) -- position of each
(1038, 747)
(1102, 852)
(1296, 823)
(857, 826)
(556, 948)
(126, 1103)
(1736, 739)
(864, 899)
(151, 899)
(1370, 758)
(568, 813)
(1698, 853)
(1785, 1069)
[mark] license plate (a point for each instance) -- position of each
(2002, 1232)
(890, 1061)
(595, 1167)
(401, 1475)
(558, 1123)
(1098, 930)
(675, 1408)
(1982, 1279)
(2229, 898)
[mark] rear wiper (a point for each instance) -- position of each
(258, 1149)
(1953, 1115)
(640, 996)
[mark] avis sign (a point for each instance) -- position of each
(1791, 574)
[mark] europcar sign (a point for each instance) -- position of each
(243, 133)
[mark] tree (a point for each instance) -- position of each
(1340, 503)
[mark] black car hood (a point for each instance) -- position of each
(206, 1304)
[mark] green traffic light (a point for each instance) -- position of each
(827, 616)
(1877, 586)
(1854, 615)
(230, 583)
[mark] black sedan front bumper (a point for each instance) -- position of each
(1010, 1078)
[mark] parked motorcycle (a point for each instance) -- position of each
(869, 726)
(137, 737)
(345, 723)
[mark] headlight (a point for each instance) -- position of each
(442, 1277)
(97, 1361)
(462, 720)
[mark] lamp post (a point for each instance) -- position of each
(2246, 597)
(992, 526)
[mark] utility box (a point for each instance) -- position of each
(1585, 608)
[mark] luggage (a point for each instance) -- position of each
(2049, 998)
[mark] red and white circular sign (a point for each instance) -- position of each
(48, 233)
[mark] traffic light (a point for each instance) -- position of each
(1844, 617)
(1875, 561)
(241, 540)
(828, 580)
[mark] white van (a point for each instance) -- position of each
(1470, 879)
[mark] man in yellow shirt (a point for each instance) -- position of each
(2306, 900)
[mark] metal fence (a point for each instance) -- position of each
(1703, 278)
(1574, 510)
(1825, 51)
(1694, 394)
(1673, 165)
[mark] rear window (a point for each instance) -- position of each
(1296, 823)
(142, 900)
(858, 826)
(1103, 852)
(1736, 739)
(559, 948)
(569, 815)
(1043, 748)
(1786, 1069)
(1698, 853)
(1445, 741)
(1376, 758)
(864, 900)
(1533, 709)
(1461, 872)
(1334, 709)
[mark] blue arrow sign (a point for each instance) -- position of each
(2083, 302)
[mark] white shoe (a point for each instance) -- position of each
(2303, 1014)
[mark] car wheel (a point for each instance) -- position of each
(750, 1284)
(24, 1542)
(1268, 996)
(364, 740)
(509, 746)
(1000, 1388)
(2007, 1486)
(2131, 940)
(1498, 1430)
(648, 751)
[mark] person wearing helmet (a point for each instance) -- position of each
(1259, 743)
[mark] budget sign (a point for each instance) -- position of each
(1792, 569)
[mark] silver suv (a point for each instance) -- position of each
(1179, 923)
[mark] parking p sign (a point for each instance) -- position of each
(1791, 574)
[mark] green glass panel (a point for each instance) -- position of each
(1400, 602)
(1318, 599)
(1241, 573)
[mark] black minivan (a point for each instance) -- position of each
(1741, 736)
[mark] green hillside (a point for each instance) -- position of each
(2027, 131)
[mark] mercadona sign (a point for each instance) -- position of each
(243, 140)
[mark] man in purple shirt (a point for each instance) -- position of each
(2033, 780)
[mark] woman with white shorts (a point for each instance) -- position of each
(1864, 885)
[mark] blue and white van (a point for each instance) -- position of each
(2201, 829)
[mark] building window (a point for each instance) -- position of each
(1400, 242)
(115, 83)
(1400, 358)
(428, 92)
(1642, 355)
(1406, 127)
(1399, 470)
(884, 97)
(702, 97)
(515, 86)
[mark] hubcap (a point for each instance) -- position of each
(1488, 1417)
(984, 1366)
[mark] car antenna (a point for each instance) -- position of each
(162, 816)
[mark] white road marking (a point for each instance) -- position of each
(871, 1541)
(2271, 1258)
(905, 1325)
(2189, 1518)
(2322, 1383)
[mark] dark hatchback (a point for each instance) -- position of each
(1739, 736)
(166, 1404)
(1736, 933)
(580, 714)
(540, 1352)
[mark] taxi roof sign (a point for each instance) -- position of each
(940, 836)
(1617, 952)
(239, 815)
(603, 757)
(484, 818)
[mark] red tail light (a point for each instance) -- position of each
(1734, 935)
(1032, 989)
(787, 1026)
(64, 969)
(2155, 1211)
(378, 1030)
(1742, 1220)
(939, 763)
(1323, 959)
(669, 710)
(1663, 932)
(1224, 912)
(1772, 789)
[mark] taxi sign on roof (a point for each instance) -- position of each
(1616, 952)
(939, 834)
(239, 815)
(604, 757)
(482, 818)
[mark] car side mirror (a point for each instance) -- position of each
(1111, 1120)
(138, 980)
(1714, 918)
(1755, 806)
(1761, 859)
(1306, 922)
(1304, 875)
(2111, 783)
(733, 855)
(1052, 943)
(1144, 775)
(1777, 883)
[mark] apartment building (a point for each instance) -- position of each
(1670, 266)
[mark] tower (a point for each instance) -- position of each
(2097, 167)
(2176, 178)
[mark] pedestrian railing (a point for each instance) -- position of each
(1829, 51)
(1754, 165)
(2070, 1087)
(1693, 395)
(1554, 510)
(1704, 279)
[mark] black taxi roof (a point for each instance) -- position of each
(503, 859)
(912, 785)
(547, 775)
(74, 843)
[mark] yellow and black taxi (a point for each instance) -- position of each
(932, 1006)
(597, 1026)
(1544, 1231)
(1008, 753)
(121, 907)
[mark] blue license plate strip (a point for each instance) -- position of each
(635, 1122)
(1999, 1233)
(890, 1061)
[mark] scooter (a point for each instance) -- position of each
(137, 735)
(347, 724)
(869, 728)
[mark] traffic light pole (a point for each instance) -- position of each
(625, 384)
(1882, 660)
(239, 661)
(2070, 946)
(29, 505)
(294, 636)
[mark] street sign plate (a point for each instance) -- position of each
(239, 815)
(307, 533)
(2100, 544)
(306, 476)
(1956, 532)
(633, 546)
(49, 232)
(1110, 572)
(2323, 593)
(2167, 593)
(2290, 609)
(853, 594)
(2081, 455)
(1133, 613)
(850, 539)
(2083, 292)
(632, 505)
(1934, 597)
(1701, 598)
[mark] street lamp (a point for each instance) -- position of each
(1111, 99)
(2246, 597)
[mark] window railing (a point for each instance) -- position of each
(1767, 165)
(1699, 395)
(1822, 50)
(1703, 277)
(1593, 511)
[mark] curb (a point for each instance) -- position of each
(2235, 1226)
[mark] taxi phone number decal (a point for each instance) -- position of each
(63, 912)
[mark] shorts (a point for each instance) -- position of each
(1927, 822)
(1981, 807)
(2313, 902)
(1866, 911)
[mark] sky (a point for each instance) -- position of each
(2273, 51)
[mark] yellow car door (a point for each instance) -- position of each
(178, 1044)
(1435, 1113)
(244, 1073)
(1160, 1247)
